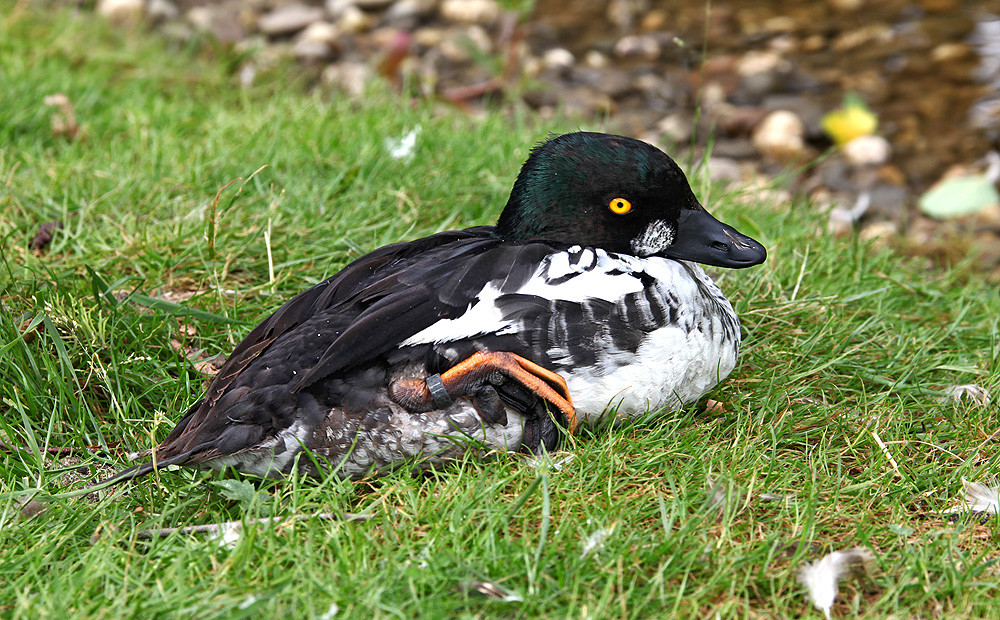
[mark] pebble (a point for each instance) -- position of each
(676, 127)
(846, 5)
(950, 52)
(372, 5)
(408, 13)
(201, 18)
(762, 71)
(558, 58)
(320, 31)
(350, 77)
(881, 232)
(336, 7)
(430, 37)
(780, 136)
(224, 25)
(870, 150)
(470, 11)
(162, 10)
(352, 20)
(317, 41)
(289, 19)
(312, 50)
(460, 44)
(122, 12)
(726, 170)
(596, 60)
(637, 46)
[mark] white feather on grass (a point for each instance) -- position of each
(970, 391)
(229, 534)
(978, 498)
(822, 578)
(595, 541)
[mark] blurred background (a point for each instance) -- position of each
(886, 114)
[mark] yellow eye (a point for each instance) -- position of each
(620, 206)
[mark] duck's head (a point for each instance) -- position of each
(621, 195)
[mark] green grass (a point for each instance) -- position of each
(845, 346)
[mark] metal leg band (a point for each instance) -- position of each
(442, 400)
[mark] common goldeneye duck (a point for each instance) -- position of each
(585, 297)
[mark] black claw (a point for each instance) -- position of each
(489, 406)
(541, 431)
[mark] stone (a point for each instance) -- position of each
(596, 60)
(612, 83)
(289, 19)
(637, 46)
(780, 136)
(200, 17)
(738, 148)
(320, 31)
(372, 5)
(676, 127)
(558, 58)
(846, 5)
(162, 10)
(726, 170)
(224, 25)
(881, 233)
(867, 35)
(470, 11)
(122, 12)
(335, 7)
(623, 13)
(353, 20)
(809, 109)
(888, 203)
(430, 37)
(867, 150)
(460, 45)
(408, 13)
(312, 50)
(350, 77)
(762, 72)
(950, 52)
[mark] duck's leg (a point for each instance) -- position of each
(465, 377)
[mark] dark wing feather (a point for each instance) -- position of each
(299, 362)
(324, 295)
(407, 300)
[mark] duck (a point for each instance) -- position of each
(588, 296)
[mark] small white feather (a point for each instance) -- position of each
(978, 498)
(976, 393)
(229, 534)
(821, 578)
(596, 540)
(403, 148)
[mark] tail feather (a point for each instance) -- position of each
(137, 471)
(126, 474)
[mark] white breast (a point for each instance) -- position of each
(674, 365)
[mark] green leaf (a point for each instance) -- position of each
(236, 490)
(959, 196)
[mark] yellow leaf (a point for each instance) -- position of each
(851, 120)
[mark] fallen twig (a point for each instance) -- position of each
(460, 95)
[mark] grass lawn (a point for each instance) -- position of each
(191, 207)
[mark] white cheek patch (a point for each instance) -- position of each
(657, 237)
